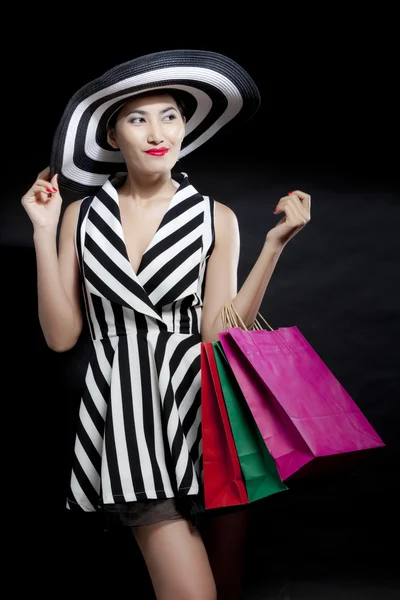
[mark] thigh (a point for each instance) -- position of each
(225, 536)
(177, 560)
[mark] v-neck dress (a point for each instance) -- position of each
(139, 427)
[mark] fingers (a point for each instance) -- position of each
(45, 174)
(43, 178)
(299, 201)
(294, 218)
(51, 187)
(54, 181)
(47, 184)
(305, 199)
(41, 190)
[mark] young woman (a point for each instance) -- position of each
(149, 262)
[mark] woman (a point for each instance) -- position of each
(151, 262)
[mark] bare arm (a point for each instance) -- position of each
(57, 273)
(58, 276)
(221, 275)
(59, 308)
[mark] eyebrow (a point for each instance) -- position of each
(144, 112)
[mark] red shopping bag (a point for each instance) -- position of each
(223, 481)
(302, 410)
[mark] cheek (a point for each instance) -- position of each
(132, 139)
(178, 134)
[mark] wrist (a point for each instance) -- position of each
(40, 233)
(274, 246)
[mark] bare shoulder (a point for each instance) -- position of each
(73, 208)
(71, 211)
(70, 216)
(226, 222)
(224, 211)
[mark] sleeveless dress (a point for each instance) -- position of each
(139, 426)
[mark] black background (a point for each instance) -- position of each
(328, 126)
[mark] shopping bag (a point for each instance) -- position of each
(302, 410)
(259, 470)
(222, 476)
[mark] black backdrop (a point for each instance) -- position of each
(327, 125)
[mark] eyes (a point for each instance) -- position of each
(138, 120)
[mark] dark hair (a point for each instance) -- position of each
(171, 92)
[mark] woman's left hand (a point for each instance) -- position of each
(296, 207)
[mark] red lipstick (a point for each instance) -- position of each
(157, 151)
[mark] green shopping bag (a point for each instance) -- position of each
(258, 466)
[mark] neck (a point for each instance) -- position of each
(144, 187)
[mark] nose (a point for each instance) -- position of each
(154, 134)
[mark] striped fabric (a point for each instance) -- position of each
(216, 90)
(139, 427)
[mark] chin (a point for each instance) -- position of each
(160, 169)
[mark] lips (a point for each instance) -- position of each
(157, 151)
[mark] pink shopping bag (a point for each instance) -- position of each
(301, 409)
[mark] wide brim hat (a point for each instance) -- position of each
(217, 91)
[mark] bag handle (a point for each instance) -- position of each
(231, 318)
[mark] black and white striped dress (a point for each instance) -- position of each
(139, 428)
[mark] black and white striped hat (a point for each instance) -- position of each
(218, 91)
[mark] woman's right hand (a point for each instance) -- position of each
(43, 209)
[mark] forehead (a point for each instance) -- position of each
(149, 100)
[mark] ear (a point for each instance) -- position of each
(111, 139)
